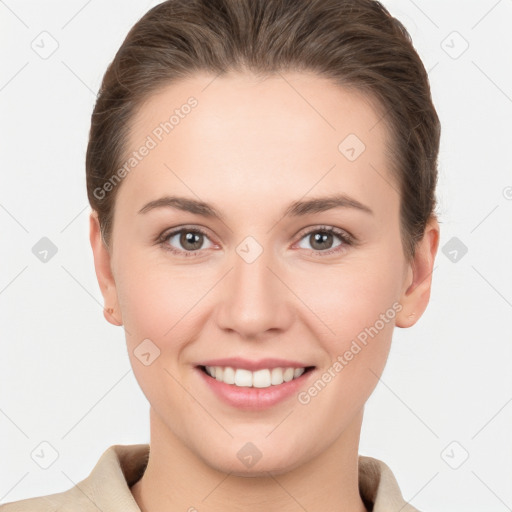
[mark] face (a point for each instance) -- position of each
(259, 270)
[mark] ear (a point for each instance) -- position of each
(103, 271)
(417, 285)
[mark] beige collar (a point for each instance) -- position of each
(107, 487)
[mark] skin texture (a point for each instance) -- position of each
(250, 148)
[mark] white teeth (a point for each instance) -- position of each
(228, 376)
(258, 379)
(261, 379)
(243, 378)
(277, 376)
(288, 374)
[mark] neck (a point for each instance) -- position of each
(176, 478)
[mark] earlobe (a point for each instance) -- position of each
(417, 285)
(108, 313)
(102, 266)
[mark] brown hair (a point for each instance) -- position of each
(356, 43)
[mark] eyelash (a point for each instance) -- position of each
(346, 239)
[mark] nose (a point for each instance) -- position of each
(255, 303)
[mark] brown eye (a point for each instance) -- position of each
(184, 240)
(323, 240)
(190, 240)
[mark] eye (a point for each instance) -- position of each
(189, 242)
(184, 241)
(321, 240)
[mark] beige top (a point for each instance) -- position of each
(107, 488)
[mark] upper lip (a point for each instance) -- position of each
(269, 362)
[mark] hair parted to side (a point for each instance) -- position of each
(355, 43)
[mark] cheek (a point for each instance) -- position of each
(362, 317)
(155, 306)
(357, 304)
(160, 303)
(349, 298)
(153, 296)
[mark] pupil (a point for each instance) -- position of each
(322, 239)
(188, 238)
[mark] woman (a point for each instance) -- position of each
(262, 181)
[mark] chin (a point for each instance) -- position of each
(240, 463)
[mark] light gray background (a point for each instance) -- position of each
(65, 377)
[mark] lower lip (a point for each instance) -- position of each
(255, 399)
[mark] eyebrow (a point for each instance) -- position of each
(295, 209)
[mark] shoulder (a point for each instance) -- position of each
(379, 487)
(106, 488)
(59, 502)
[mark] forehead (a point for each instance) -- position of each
(288, 106)
(289, 133)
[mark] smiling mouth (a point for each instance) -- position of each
(264, 378)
